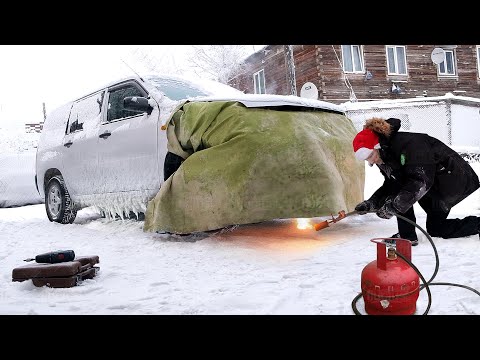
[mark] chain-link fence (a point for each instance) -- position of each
(431, 118)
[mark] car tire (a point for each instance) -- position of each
(58, 204)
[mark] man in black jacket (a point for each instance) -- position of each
(416, 167)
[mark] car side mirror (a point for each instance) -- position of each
(137, 103)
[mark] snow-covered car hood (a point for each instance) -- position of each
(263, 100)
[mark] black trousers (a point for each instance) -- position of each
(437, 223)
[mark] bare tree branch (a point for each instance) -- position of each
(219, 62)
(153, 61)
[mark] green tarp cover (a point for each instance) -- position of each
(245, 165)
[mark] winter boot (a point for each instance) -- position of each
(397, 236)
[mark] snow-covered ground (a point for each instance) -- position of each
(268, 268)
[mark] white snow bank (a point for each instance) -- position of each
(17, 180)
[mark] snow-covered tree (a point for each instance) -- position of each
(153, 59)
(218, 62)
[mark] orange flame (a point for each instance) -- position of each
(304, 224)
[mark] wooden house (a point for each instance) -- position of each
(364, 72)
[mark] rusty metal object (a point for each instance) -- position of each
(324, 224)
(321, 225)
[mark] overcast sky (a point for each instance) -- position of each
(54, 74)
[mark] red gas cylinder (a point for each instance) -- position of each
(389, 285)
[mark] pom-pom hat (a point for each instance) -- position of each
(364, 143)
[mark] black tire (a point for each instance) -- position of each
(58, 204)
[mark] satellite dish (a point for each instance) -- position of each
(309, 91)
(438, 55)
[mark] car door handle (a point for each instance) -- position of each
(68, 144)
(105, 135)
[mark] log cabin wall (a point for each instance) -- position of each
(271, 60)
(322, 65)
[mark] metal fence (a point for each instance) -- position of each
(431, 118)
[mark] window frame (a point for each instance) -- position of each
(454, 60)
(361, 57)
(395, 59)
(68, 129)
(117, 87)
(255, 74)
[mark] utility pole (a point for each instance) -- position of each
(290, 65)
(44, 113)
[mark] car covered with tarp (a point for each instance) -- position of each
(252, 158)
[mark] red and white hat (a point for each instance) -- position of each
(364, 143)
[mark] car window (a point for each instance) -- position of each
(85, 112)
(176, 89)
(115, 102)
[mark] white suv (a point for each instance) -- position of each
(108, 148)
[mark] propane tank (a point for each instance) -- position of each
(389, 285)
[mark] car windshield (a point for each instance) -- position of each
(179, 89)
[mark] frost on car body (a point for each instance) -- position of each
(108, 156)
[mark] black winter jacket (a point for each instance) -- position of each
(416, 164)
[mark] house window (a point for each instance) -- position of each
(259, 82)
(352, 58)
(478, 60)
(396, 60)
(447, 66)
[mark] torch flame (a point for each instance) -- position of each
(303, 224)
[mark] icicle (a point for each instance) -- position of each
(120, 212)
(121, 204)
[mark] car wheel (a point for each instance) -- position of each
(59, 205)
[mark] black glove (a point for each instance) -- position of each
(387, 210)
(365, 206)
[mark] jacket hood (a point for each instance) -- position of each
(383, 127)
